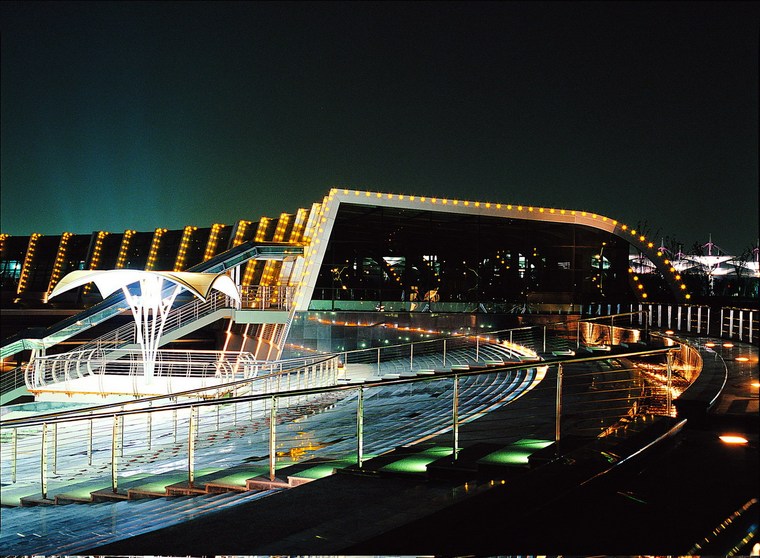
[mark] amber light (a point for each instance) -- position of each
(733, 439)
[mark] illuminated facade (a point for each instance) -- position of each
(366, 249)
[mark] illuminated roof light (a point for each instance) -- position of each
(644, 295)
(519, 208)
(728, 345)
(688, 296)
(650, 245)
(742, 359)
(641, 286)
(624, 227)
(530, 209)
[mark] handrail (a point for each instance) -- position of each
(116, 409)
(108, 407)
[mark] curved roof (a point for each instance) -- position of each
(111, 280)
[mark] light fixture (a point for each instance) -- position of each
(733, 439)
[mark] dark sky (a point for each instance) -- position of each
(139, 115)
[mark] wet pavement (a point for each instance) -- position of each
(667, 500)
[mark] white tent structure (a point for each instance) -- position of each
(150, 305)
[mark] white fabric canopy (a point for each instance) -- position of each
(111, 280)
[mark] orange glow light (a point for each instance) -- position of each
(733, 439)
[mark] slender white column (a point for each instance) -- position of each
(150, 310)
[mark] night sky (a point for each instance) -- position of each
(139, 115)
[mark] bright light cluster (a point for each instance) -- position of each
(184, 244)
(95, 258)
(272, 268)
(28, 259)
(250, 267)
(154, 246)
(60, 258)
(213, 239)
(124, 248)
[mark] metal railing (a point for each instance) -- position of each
(739, 324)
(283, 421)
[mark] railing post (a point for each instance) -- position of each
(612, 330)
(360, 428)
(668, 397)
(444, 352)
(731, 323)
(707, 329)
(558, 408)
(741, 325)
(577, 333)
(749, 340)
(43, 461)
(191, 427)
(174, 417)
(14, 441)
(455, 415)
(477, 347)
(378, 361)
(411, 356)
(150, 428)
(272, 438)
(121, 434)
(544, 339)
(89, 443)
(721, 323)
(55, 448)
(115, 437)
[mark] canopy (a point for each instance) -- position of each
(109, 281)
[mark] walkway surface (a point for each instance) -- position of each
(662, 501)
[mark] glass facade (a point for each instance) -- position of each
(386, 255)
